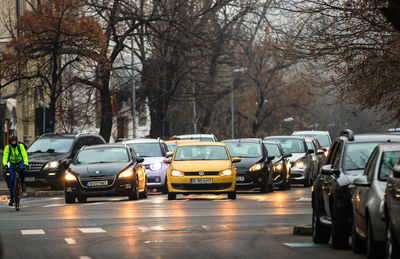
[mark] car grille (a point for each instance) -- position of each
(84, 180)
(147, 166)
(153, 179)
(35, 167)
(197, 173)
(201, 187)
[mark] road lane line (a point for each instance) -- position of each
(70, 241)
(205, 227)
(158, 228)
(92, 230)
(84, 257)
(143, 229)
(304, 199)
(96, 203)
(305, 245)
(54, 205)
(33, 232)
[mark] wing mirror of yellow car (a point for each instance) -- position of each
(167, 160)
(236, 160)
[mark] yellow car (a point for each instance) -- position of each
(201, 167)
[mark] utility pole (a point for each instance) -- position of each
(232, 112)
(194, 110)
(133, 91)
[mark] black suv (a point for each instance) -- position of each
(331, 196)
(51, 153)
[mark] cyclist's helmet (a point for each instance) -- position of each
(11, 138)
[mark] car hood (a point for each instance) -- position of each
(46, 157)
(102, 169)
(248, 162)
(296, 156)
(150, 160)
(201, 165)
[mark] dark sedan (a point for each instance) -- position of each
(105, 170)
(281, 164)
(254, 170)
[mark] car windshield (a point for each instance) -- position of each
(356, 157)
(291, 145)
(187, 153)
(389, 159)
(203, 139)
(322, 138)
(147, 149)
(240, 149)
(310, 145)
(171, 147)
(102, 155)
(273, 149)
(51, 145)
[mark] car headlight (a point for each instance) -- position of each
(326, 153)
(299, 164)
(278, 167)
(52, 164)
(69, 176)
(155, 166)
(226, 172)
(126, 173)
(256, 167)
(177, 173)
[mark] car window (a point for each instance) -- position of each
(291, 145)
(389, 159)
(273, 149)
(371, 164)
(310, 146)
(356, 157)
(187, 153)
(332, 153)
(240, 149)
(171, 147)
(147, 149)
(102, 155)
(322, 138)
(338, 154)
(49, 145)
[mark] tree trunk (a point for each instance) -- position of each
(106, 110)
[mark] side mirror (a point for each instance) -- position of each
(310, 151)
(361, 181)
(328, 170)
(167, 160)
(324, 149)
(236, 160)
(396, 171)
(65, 162)
(285, 155)
(320, 152)
(169, 154)
(139, 159)
(270, 158)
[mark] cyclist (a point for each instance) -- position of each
(15, 153)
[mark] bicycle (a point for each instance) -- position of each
(17, 190)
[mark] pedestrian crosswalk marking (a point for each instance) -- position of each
(92, 230)
(158, 228)
(32, 232)
(304, 199)
(143, 229)
(70, 241)
(84, 257)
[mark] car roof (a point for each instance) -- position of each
(108, 145)
(58, 135)
(209, 143)
(390, 147)
(322, 132)
(284, 136)
(178, 141)
(141, 140)
(373, 138)
(244, 140)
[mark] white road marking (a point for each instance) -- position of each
(304, 199)
(54, 205)
(70, 241)
(57, 198)
(205, 227)
(158, 228)
(305, 245)
(222, 200)
(92, 230)
(84, 257)
(33, 232)
(143, 229)
(95, 203)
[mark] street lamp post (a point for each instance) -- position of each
(232, 112)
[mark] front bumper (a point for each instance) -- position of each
(298, 175)
(220, 184)
(156, 178)
(249, 180)
(44, 175)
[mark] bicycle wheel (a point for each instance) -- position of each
(17, 188)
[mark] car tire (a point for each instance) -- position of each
(69, 198)
(339, 231)
(283, 185)
(171, 196)
(373, 249)
(357, 243)
(392, 245)
(320, 233)
(134, 194)
(164, 189)
(288, 184)
(145, 193)
(82, 199)
(307, 181)
(232, 195)
(264, 188)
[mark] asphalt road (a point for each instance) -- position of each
(253, 226)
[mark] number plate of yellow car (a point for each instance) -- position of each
(201, 180)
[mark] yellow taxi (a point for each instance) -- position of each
(201, 167)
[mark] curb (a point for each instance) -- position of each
(302, 230)
(31, 194)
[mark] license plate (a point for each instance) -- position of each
(96, 183)
(200, 181)
(240, 178)
(29, 179)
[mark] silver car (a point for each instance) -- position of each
(369, 229)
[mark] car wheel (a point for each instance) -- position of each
(320, 233)
(82, 199)
(69, 198)
(283, 185)
(264, 188)
(373, 248)
(144, 194)
(307, 181)
(171, 196)
(134, 194)
(357, 244)
(392, 245)
(164, 189)
(339, 231)
(288, 184)
(232, 195)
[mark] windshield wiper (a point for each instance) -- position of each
(50, 150)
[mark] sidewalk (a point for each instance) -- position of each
(30, 192)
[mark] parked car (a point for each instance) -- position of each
(281, 164)
(255, 169)
(301, 161)
(369, 230)
(200, 137)
(392, 212)
(204, 167)
(105, 170)
(49, 153)
(331, 197)
(153, 151)
(324, 138)
(317, 156)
